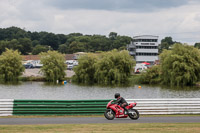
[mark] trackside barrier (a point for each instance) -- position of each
(89, 107)
(59, 107)
(6, 107)
(167, 106)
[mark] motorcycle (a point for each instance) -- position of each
(115, 110)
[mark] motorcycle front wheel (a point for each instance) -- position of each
(133, 114)
(109, 114)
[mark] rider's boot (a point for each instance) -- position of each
(125, 110)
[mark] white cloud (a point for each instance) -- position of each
(182, 22)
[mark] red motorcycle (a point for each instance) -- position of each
(115, 110)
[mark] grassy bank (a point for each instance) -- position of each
(135, 79)
(40, 79)
(99, 128)
(31, 79)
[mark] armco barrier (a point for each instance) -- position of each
(59, 107)
(168, 106)
(6, 107)
(87, 107)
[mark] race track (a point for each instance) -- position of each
(87, 120)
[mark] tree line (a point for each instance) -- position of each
(179, 66)
(28, 42)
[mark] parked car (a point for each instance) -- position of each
(70, 67)
(140, 67)
(72, 62)
(28, 66)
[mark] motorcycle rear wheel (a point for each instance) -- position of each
(133, 114)
(109, 114)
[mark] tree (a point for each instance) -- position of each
(76, 47)
(166, 43)
(11, 65)
(39, 48)
(50, 39)
(84, 72)
(114, 67)
(84, 40)
(35, 36)
(197, 45)
(2, 35)
(53, 65)
(61, 38)
(63, 48)
(118, 41)
(35, 43)
(14, 44)
(72, 37)
(3, 45)
(13, 33)
(100, 43)
(112, 35)
(26, 45)
(180, 65)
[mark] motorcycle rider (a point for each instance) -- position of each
(121, 101)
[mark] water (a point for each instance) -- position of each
(38, 90)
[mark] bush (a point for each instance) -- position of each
(151, 75)
(11, 65)
(53, 65)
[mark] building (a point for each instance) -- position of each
(144, 48)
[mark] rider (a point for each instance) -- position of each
(121, 101)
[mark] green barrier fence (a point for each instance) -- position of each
(59, 107)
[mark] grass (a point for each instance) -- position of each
(31, 78)
(135, 79)
(109, 128)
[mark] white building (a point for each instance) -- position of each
(144, 48)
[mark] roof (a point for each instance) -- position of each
(30, 57)
(146, 37)
(69, 56)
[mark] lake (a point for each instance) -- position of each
(39, 90)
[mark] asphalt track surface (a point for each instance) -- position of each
(88, 120)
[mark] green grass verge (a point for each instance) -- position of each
(68, 79)
(109, 128)
(31, 79)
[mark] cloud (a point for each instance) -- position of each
(116, 5)
(179, 19)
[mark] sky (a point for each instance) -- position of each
(179, 19)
